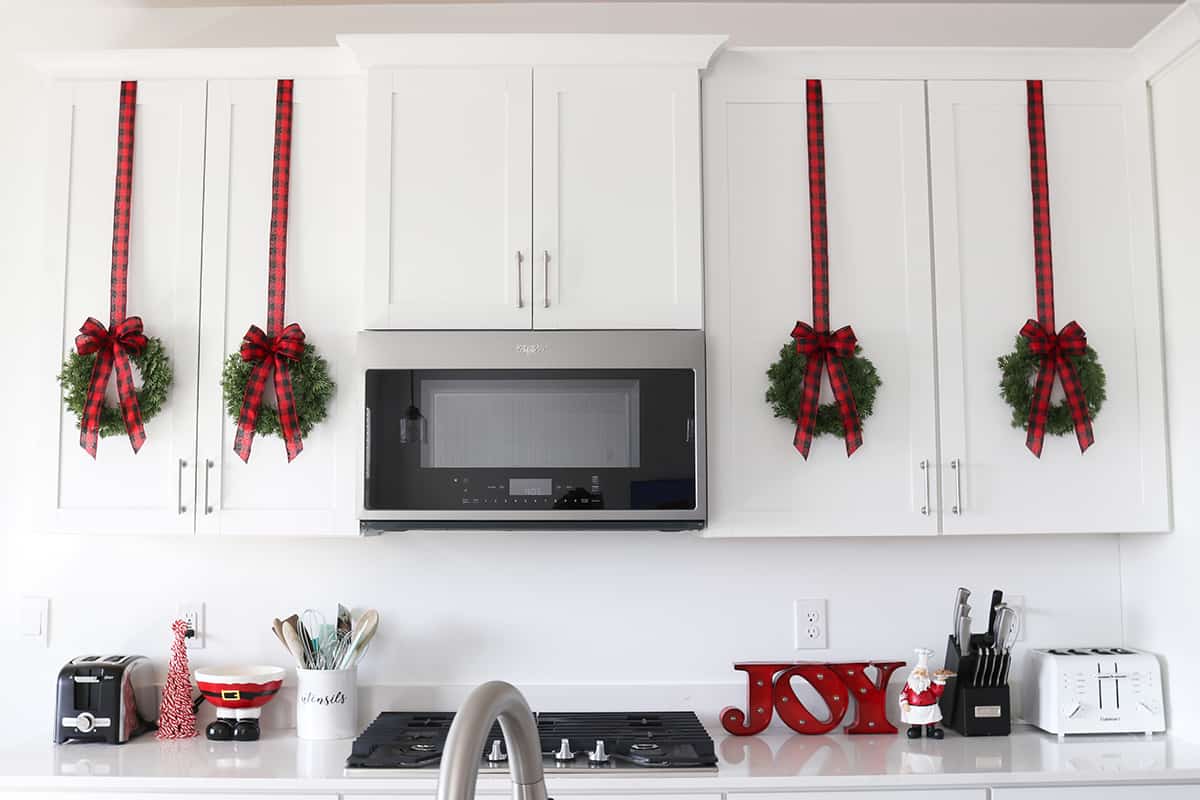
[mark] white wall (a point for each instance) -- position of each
(459, 608)
(1162, 594)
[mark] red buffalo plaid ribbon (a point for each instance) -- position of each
(123, 337)
(1053, 348)
(270, 351)
(821, 348)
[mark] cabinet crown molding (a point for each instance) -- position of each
(642, 50)
(195, 62)
(1169, 41)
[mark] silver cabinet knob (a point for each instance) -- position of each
(564, 751)
(496, 754)
(599, 755)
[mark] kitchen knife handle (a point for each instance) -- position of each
(956, 466)
(179, 486)
(545, 279)
(208, 465)
(925, 471)
(520, 299)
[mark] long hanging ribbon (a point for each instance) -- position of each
(270, 351)
(821, 347)
(123, 337)
(1053, 348)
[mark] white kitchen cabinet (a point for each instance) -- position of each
(869, 794)
(533, 197)
(449, 199)
(759, 283)
(616, 215)
(315, 492)
(1105, 277)
(120, 491)
(1165, 792)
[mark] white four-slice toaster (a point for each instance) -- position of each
(1094, 690)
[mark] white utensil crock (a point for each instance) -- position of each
(327, 703)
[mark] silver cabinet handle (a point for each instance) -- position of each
(179, 486)
(208, 465)
(545, 279)
(956, 465)
(520, 299)
(925, 470)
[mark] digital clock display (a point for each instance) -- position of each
(530, 487)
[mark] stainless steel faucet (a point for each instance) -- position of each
(463, 750)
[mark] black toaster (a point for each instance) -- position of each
(97, 699)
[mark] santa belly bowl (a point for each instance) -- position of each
(239, 693)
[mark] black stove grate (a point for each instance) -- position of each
(662, 740)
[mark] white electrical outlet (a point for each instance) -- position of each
(193, 615)
(811, 623)
(1017, 603)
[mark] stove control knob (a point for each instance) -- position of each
(564, 751)
(599, 755)
(496, 754)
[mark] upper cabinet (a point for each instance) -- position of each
(313, 494)
(759, 285)
(1105, 277)
(200, 237)
(533, 182)
(449, 198)
(931, 260)
(120, 491)
(616, 214)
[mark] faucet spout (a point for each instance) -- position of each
(468, 734)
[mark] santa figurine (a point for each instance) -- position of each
(919, 698)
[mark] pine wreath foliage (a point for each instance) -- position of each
(786, 381)
(312, 389)
(1018, 371)
(152, 363)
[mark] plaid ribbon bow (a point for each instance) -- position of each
(271, 350)
(124, 336)
(1053, 348)
(826, 349)
(270, 356)
(112, 349)
(823, 349)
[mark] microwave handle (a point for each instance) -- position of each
(367, 445)
(689, 432)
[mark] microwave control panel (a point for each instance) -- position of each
(529, 493)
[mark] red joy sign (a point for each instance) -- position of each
(770, 690)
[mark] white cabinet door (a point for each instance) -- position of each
(448, 198)
(1105, 277)
(315, 492)
(1131, 792)
(120, 491)
(871, 794)
(616, 198)
(759, 283)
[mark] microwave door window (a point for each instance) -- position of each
(531, 423)
(531, 440)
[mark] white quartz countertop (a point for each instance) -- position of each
(772, 762)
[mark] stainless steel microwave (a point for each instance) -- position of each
(504, 430)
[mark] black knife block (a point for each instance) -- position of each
(973, 710)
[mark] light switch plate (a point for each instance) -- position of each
(35, 620)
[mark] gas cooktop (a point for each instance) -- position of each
(571, 742)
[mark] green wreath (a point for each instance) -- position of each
(786, 377)
(155, 367)
(312, 389)
(1018, 371)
